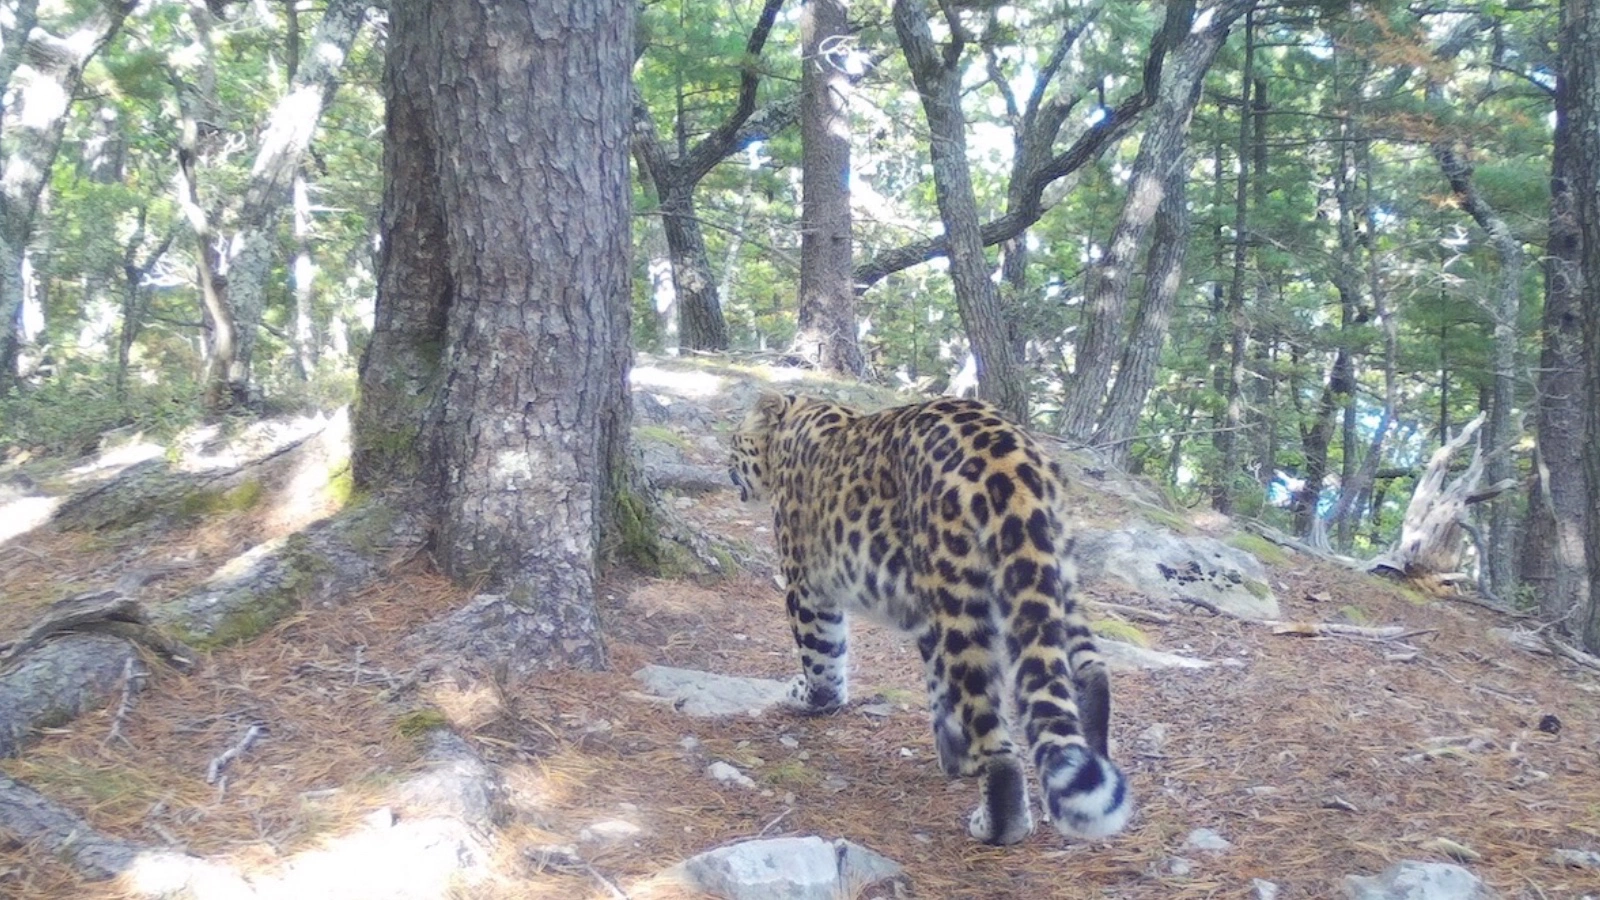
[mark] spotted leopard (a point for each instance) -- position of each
(945, 520)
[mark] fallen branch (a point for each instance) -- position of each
(1567, 651)
(1132, 612)
(133, 674)
(214, 771)
(1337, 629)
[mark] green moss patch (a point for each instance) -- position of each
(1269, 553)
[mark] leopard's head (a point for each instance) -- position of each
(748, 465)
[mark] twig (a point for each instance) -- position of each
(611, 886)
(227, 756)
(774, 823)
(1500, 608)
(1206, 605)
(130, 685)
(1134, 612)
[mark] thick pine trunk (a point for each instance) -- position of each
(516, 118)
(1580, 66)
(1553, 556)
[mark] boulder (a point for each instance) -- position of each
(1412, 880)
(791, 868)
(1125, 657)
(1166, 566)
(708, 694)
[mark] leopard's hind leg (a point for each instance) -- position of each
(965, 682)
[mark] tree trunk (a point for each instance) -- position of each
(246, 260)
(307, 342)
(1161, 151)
(938, 80)
(35, 118)
(827, 318)
(1553, 555)
(1339, 392)
(1136, 374)
(502, 330)
(1228, 442)
(1580, 66)
(1503, 310)
(1429, 549)
(676, 177)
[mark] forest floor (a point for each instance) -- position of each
(1315, 757)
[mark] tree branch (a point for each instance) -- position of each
(1112, 126)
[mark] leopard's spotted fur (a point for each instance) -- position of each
(946, 520)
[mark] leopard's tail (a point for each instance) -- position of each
(1064, 698)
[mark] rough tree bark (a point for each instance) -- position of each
(1580, 65)
(676, 178)
(39, 74)
(1161, 150)
(937, 75)
(827, 317)
(496, 379)
(1553, 555)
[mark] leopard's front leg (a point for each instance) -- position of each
(822, 636)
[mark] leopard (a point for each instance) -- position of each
(947, 521)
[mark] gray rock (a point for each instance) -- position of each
(1412, 880)
(609, 831)
(1265, 890)
(1206, 839)
(708, 694)
(791, 868)
(1165, 566)
(1125, 657)
(1577, 859)
(728, 776)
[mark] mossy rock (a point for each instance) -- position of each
(1118, 630)
(418, 722)
(1259, 547)
(217, 502)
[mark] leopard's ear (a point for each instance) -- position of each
(771, 405)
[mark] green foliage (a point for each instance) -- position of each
(69, 413)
